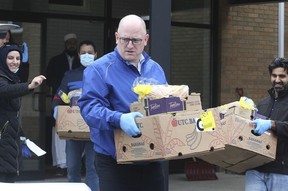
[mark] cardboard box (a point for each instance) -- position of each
(229, 143)
(234, 108)
(164, 105)
(70, 124)
(242, 149)
(164, 137)
(193, 102)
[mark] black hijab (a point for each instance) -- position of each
(4, 50)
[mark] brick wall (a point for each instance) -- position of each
(247, 44)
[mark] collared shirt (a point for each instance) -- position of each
(139, 64)
(70, 61)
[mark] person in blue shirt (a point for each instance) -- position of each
(104, 104)
(72, 81)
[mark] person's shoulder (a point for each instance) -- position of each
(105, 59)
(108, 56)
(149, 60)
(152, 62)
(3, 75)
(57, 57)
(74, 71)
(264, 101)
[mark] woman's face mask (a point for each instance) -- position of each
(86, 59)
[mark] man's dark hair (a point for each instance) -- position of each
(87, 42)
(278, 62)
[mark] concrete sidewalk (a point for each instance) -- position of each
(225, 182)
(179, 182)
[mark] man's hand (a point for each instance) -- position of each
(261, 125)
(128, 124)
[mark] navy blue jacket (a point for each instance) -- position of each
(72, 80)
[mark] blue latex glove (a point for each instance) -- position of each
(25, 150)
(261, 125)
(128, 124)
(55, 113)
(25, 53)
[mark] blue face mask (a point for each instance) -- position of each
(86, 59)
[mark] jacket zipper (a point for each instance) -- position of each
(18, 149)
(17, 157)
(3, 129)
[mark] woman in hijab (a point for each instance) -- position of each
(11, 91)
(7, 38)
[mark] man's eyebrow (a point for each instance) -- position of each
(278, 74)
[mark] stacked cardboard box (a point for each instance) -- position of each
(242, 150)
(225, 140)
(71, 125)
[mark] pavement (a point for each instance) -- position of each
(179, 182)
(225, 182)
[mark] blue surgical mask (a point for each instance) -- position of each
(86, 59)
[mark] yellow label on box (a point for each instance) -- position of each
(208, 121)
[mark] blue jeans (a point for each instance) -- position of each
(74, 151)
(259, 181)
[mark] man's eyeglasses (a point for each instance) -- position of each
(135, 41)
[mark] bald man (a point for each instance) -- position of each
(106, 97)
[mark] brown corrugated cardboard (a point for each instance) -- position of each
(169, 135)
(243, 150)
(234, 108)
(193, 102)
(229, 144)
(164, 136)
(70, 124)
